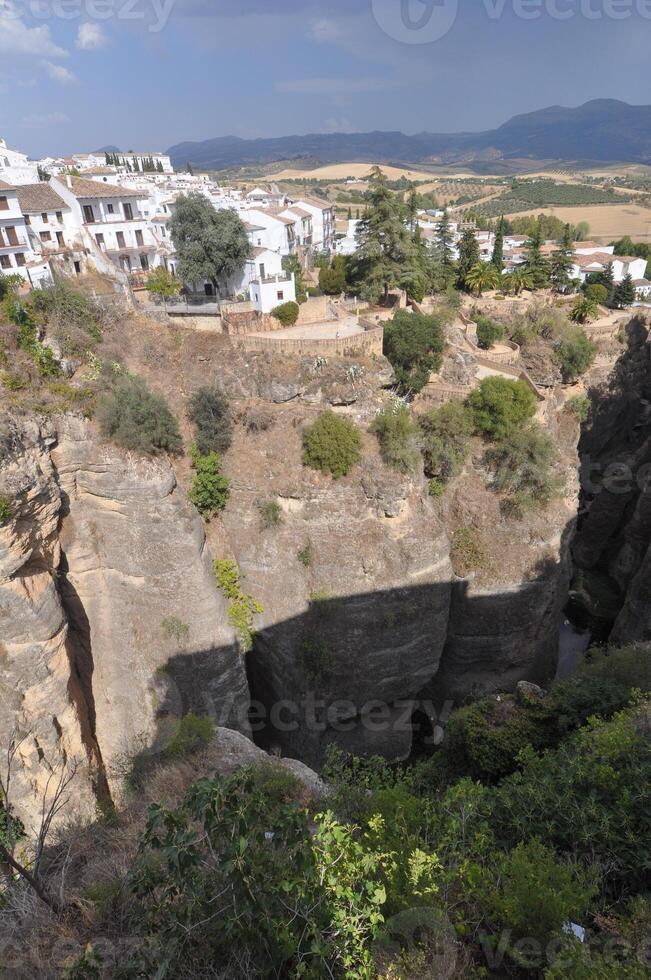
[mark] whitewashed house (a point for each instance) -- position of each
(280, 232)
(15, 168)
(52, 229)
(323, 222)
(596, 262)
(112, 223)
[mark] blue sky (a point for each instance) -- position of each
(145, 74)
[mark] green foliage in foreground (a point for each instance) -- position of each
(287, 313)
(242, 607)
(210, 489)
(136, 418)
(524, 463)
(210, 414)
(445, 439)
(332, 444)
(398, 435)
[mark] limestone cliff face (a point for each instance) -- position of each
(612, 550)
(111, 622)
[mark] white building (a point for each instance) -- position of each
(15, 168)
(16, 254)
(126, 162)
(52, 229)
(323, 222)
(112, 223)
(348, 244)
(280, 232)
(596, 262)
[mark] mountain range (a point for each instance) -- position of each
(603, 130)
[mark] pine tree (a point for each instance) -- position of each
(625, 294)
(607, 279)
(536, 264)
(469, 256)
(497, 257)
(386, 254)
(412, 208)
(443, 268)
(562, 261)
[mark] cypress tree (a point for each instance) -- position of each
(497, 257)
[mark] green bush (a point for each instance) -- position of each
(271, 514)
(579, 405)
(162, 283)
(6, 509)
(499, 406)
(136, 418)
(398, 435)
(210, 490)
(467, 553)
(305, 555)
(332, 280)
(242, 607)
(210, 414)
(332, 444)
(445, 439)
(74, 319)
(413, 343)
(596, 292)
(287, 313)
(523, 462)
(488, 332)
(193, 732)
(575, 354)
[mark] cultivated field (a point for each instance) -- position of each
(607, 221)
(339, 171)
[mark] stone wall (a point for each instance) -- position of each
(364, 344)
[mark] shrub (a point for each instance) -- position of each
(6, 510)
(332, 444)
(498, 406)
(523, 462)
(271, 514)
(488, 332)
(162, 283)
(436, 487)
(210, 414)
(287, 313)
(242, 607)
(193, 732)
(584, 309)
(398, 435)
(210, 489)
(467, 554)
(445, 439)
(332, 280)
(74, 319)
(597, 292)
(579, 405)
(305, 555)
(174, 628)
(413, 343)
(136, 418)
(575, 354)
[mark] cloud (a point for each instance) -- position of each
(44, 119)
(16, 38)
(60, 74)
(90, 37)
(333, 86)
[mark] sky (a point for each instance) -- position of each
(76, 75)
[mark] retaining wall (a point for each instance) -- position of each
(364, 344)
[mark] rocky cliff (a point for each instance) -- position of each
(113, 624)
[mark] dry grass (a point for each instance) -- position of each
(607, 221)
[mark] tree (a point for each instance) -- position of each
(446, 435)
(562, 261)
(499, 406)
(412, 209)
(413, 343)
(488, 332)
(523, 461)
(443, 259)
(517, 280)
(210, 489)
(162, 283)
(597, 292)
(210, 414)
(469, 256)
(497, 257)
(136, 418)
(482, 276)
(384, 246)
(397, 434)
(211, 245)
(332, 279)
(292, 264)
(536, 264)
(625, 294)
(575, 353)
(584, 309)
(607, 279)
(332, 444)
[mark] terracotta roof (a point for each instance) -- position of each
(92, 188)
(597, 258)
(39, 197)
(6, 187)
(299, 211)
(258, 250)
(275, 213)
(316, 202)
(250, 227)
(641, 282)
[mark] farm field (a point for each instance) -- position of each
(608, 221)
(339, 171)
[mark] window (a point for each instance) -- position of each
(128, 211)
(12, 237)
(262, 270)
(60, 239)
(109, 208)
(27, 220)
(45, 236)
(44, 217)
(20, 258)
(5, 262)
(139, 239)
(120, 237)
(60, 217)
(89, 214)
(280, 294)
(4, 204)
(144, 262)
(99, 238)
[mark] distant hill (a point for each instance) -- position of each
(602, 130)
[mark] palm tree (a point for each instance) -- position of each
(584, 309)
(482, 276)
(517, 280)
